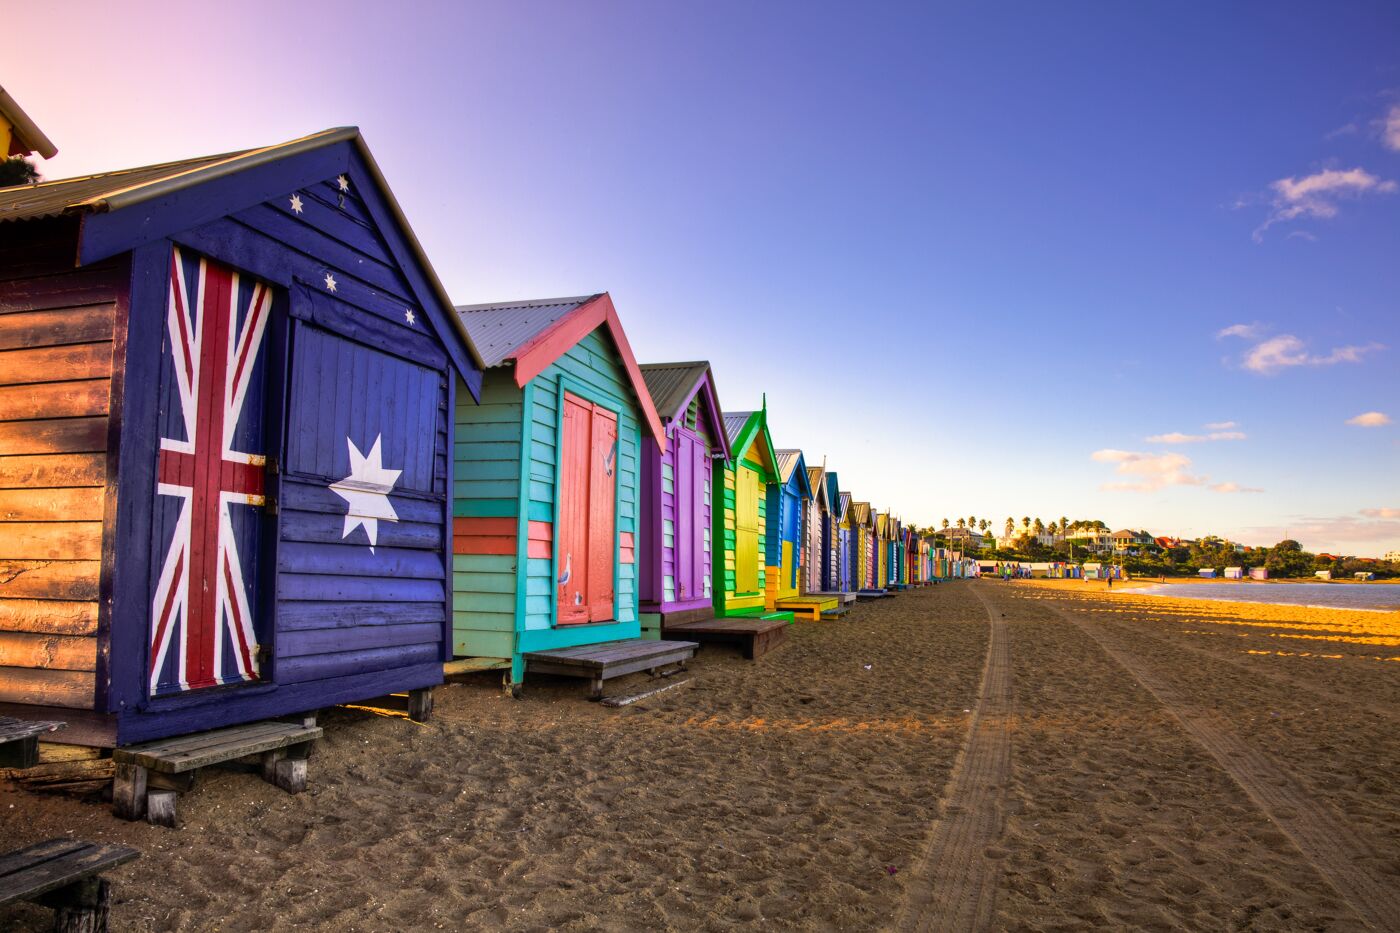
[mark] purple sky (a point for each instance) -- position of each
(992, 263)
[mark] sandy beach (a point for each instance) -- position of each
(1138, 763)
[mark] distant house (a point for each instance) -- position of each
(1393, 556)
(963, 537)
(1234, 573)
(1092, 539)
(19, 135)
(1129, 540)
(1323, 574)
(1208, 573)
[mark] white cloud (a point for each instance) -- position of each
(1381, 513)
(1286, 350)
(1150, 471)
(1302, 235)
(1368, 533)
(1317, 195)
(1390, 128)
(1220, 425)
(1370, 419)
(1233, 487)
(1247, 331)
(1176, 437)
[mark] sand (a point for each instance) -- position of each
(806, 791)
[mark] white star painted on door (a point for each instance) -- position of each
(408, 316)
(366, 492)
(343, 182)
(296, 204)
(330, 282)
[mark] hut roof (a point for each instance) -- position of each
(845, 504)
(113, 192)
(744, 429)
(862, 513)
(674, 385)
(791, 463)
(533, 334)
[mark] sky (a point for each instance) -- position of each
(1132, 262)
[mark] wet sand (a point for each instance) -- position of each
(805, 791)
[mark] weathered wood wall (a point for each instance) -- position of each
(57, 339)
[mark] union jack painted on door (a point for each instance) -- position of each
(209, 497)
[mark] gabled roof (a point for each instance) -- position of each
(531, 335)
(674, 385)
(816, 478)
(792, 464)
(833, 493)
(25, 135)
(845, 505)
(862, 513)
(168, 205)
(745, 428)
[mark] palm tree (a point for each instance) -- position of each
(945, 524)
(1064, 527)
(1010, 526)
(984, 525)
(1039, 527)
(962, 523)
(972, 521)
(1026, 522)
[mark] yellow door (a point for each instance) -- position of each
(746, 531)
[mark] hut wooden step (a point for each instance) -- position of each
(807, 607)
(64, 874)
(754, 636)
(610, 659)
(150, 775)
(19, 741)
(846, 597)
(872, 594)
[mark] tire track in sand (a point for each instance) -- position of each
(1324, 838)
(953, 887)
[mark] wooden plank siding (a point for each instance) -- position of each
(57, 340)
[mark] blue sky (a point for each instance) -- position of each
(975, 256)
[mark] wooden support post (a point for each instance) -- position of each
(181, 783)
(80, 907)
(269, 764)
(160, 808)
(291, 775)
(129, 791)
(420, 704)
(513, 688)
(596, 689)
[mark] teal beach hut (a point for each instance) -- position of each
(546, 484)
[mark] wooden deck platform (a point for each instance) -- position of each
(65, 874)
(837, 613)
(610, 659)
(19, 741)
(872, 594)
(754, 636)
(810, 606)
(845, 596)
(149, 776)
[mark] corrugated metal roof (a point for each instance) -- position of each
(498, 330)
(670, 385)
(845, 501)
(734, 422)
(815, 477)
(862, 516)
(52, 198)
(787, 461)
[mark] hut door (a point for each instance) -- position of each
(207, 517)
(746, 530)
(586, 535)
(689, 500)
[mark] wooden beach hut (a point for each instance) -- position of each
(674, 557)
(787, 549)
(741, 527)
(866, 539)
(845, 563)
(825, 513)
(815, 515)
(223, 443)
(547, 493)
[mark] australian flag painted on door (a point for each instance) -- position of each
(209, 502)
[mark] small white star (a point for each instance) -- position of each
(408, 316)
(330, 282)
(343, 182)
(296, 204)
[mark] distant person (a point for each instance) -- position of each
(1110, 583)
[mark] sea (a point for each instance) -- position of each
(1377, 597)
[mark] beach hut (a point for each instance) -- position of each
(863, 547)
(786, 548)
(223, 489)
(1207, 573)
(1234, 573)
(845, 562)
(1258, 573)
(741, 527)
(815, 515)
(546, 494)
(675, 544)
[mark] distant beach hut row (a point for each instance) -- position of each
(254, 462)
